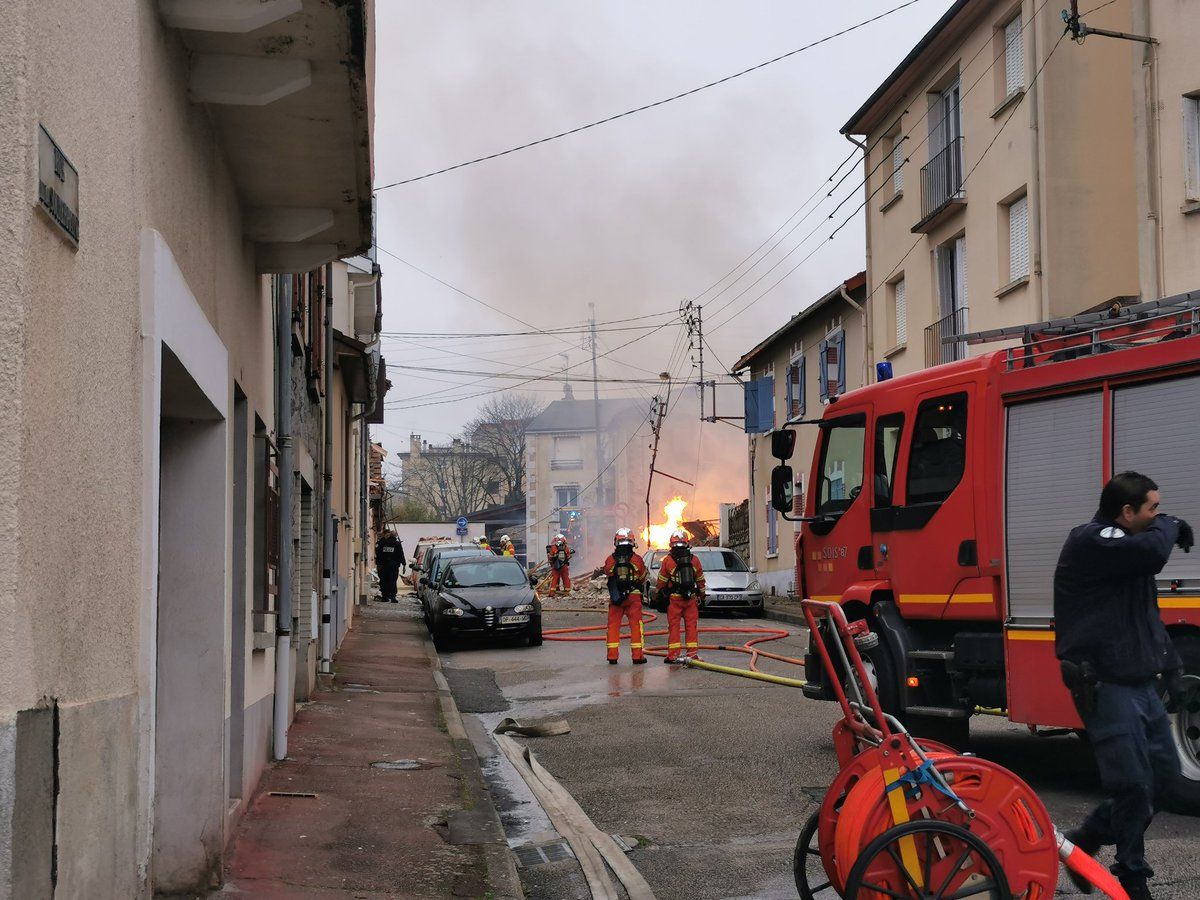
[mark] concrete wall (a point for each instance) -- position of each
(1067, 145)
(1162, 78)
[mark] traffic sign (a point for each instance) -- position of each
(461, 532)
(462, 523)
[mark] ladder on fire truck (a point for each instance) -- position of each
(1118, 327)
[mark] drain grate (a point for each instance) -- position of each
(542, 854)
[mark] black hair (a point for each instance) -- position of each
(1126, 489)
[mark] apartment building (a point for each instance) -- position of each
(998, 160)
(162, 161)
(571, 489)
(819, 353)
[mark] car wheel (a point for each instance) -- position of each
(534, 637)
(441, 641)
(755, 612)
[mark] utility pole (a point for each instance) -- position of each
(596, 405)
(700, 344)
(658, 409)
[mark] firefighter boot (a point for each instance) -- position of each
(1135, 886)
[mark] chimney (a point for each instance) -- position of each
(568, 392)
(414, 444)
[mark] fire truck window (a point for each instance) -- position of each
(938, 455)
(887, 448)
(841, 467)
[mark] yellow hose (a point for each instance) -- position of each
(745, 673)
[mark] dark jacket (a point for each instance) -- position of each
(389, 553)
(1106, 601)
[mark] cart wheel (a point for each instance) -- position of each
(812, 882)
(949, 862)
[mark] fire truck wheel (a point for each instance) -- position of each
(1183, 795)
(882, 671)
(812, 881)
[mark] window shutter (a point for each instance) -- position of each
(766, 405)
(801, 396)
(901, 313)
(960, 273)
(1014, 57)
(750, 389)
(821, 385)
(841, 362)
(1018, 239)
(1191, 146)
(898, 164)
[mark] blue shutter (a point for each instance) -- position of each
(766, 405)
(821, 367)
(841, 352)
(751, 393)
(803, 388)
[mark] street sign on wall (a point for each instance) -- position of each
(58, 186)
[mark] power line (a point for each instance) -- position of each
(656, 103)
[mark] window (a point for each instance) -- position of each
(1014, 57)
(896, 142)
(720, 560)
(938, 455)
(899, 314)
(841, 465)
(567, 453)
(1018, 239)
(566, 501)
(831, 365)
(1191, 146)
(795, 388)
(951, 260)
(887, 448)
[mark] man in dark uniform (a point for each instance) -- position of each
(389, 560)
(1116, 658)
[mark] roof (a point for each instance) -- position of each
(856, 123)
(855, 283)
(578, 415)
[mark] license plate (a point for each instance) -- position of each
(513, 620)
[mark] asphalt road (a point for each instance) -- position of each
(710, 776)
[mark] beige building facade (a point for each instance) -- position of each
(158, 165)
(820, 352)
(564, 492)
(998, 179)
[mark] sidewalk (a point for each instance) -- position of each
(423, 827)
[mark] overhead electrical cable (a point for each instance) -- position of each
(656, 103)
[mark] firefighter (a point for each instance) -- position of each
(1116, 658)
(484, 545)
(682, 576)
(389, 560)
(507, 548)
(559, 553)
(626, 571)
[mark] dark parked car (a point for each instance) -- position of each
(485, 597)
(433, 564)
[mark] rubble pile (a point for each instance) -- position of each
(590, 591)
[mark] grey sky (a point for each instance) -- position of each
(636, 215)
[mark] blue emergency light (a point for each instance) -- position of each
(883, 371)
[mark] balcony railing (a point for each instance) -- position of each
(937, 349)
(941, 180)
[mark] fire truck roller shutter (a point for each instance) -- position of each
(1053, 475)
(1154, 432)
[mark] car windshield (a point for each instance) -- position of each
(656, 558)
(444, 556)
(720, 561)
(486, 573)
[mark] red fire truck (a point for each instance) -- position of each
(940, 500)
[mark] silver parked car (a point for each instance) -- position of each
(730, 583)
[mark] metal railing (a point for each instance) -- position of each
(937, 349)
(941, 179)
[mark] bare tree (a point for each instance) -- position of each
(452, 482)
(498, 432)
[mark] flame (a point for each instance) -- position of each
(658, 537)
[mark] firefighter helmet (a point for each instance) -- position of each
(623, 536)
(680, 538)
(559, 539)
(504, 539)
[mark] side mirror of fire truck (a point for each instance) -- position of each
(782, 487)
(783, 444)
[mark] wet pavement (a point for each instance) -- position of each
(710, 777)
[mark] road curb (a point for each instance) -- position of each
(501, 865)
(787, 616)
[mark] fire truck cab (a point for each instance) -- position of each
(939, 502)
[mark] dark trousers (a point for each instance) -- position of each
(387, 581)
(1131, 736)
